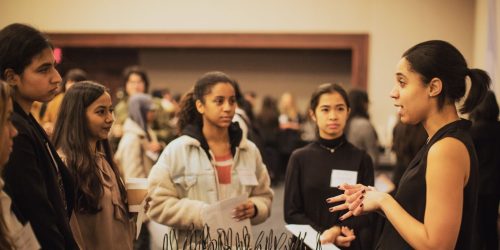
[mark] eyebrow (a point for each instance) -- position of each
(400, 74)
(46, 64)
(100, 106)
(336, 105)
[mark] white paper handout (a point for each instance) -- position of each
(343, 176)
(247, 177)
(220, 215)
(309, 235)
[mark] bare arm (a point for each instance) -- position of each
(447, 173)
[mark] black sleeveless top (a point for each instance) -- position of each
(411, 194)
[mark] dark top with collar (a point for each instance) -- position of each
(411, 194)
(307, 186)
(31, 180)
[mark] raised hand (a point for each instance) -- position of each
(358, 199)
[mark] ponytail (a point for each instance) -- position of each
(480, 82)
(188, 114)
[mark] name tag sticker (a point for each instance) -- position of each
(247, 177)
(343, 176)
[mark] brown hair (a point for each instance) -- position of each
(5, 240)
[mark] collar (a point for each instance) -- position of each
(235, 136)
(333, 143)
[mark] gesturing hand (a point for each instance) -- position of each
(357, 199)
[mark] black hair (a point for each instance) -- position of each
(324, 89)
(440, 59)
(159, 93)
(242, 102)
(188, 113)
(19, 43)
(135, 70)
(359, 101)
(487, 110)
(74, 75)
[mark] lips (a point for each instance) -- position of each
(333, 126)
(399, 108)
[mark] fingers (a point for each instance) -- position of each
(345, 239)
(330, 235)
(354, 204)
(346, 215)
(358, 211)
(340, 207)
(340, 197)
(353, 197)
(351, 201)
(346, 186)
(346, 231)
(244, 211)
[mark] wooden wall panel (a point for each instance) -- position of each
(357, 43)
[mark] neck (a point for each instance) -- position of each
(329, 136)
(25, 104)
(215, 134)
(439, 118)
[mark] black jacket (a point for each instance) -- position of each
(31, 181)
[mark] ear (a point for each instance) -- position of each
(312, 115)
(200, 107)
(11, 77)
(435, 87)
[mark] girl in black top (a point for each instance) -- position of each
(35, 177)
(434, 207)
(313, 170)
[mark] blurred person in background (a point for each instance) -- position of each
(52, 108)
(360, 131)
(166, 116)
(268, 123)
(485, 132)
(135, 80)
(289, 138)
(407, 140)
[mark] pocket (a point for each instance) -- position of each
(185, 181)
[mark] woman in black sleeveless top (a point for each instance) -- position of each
(434, 207)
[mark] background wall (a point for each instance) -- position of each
(393, 26)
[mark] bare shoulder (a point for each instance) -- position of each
(448, 158)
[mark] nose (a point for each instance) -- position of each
(56, 77)
(227, 106)
(394, 92)
(110, 118)
(332, 115)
